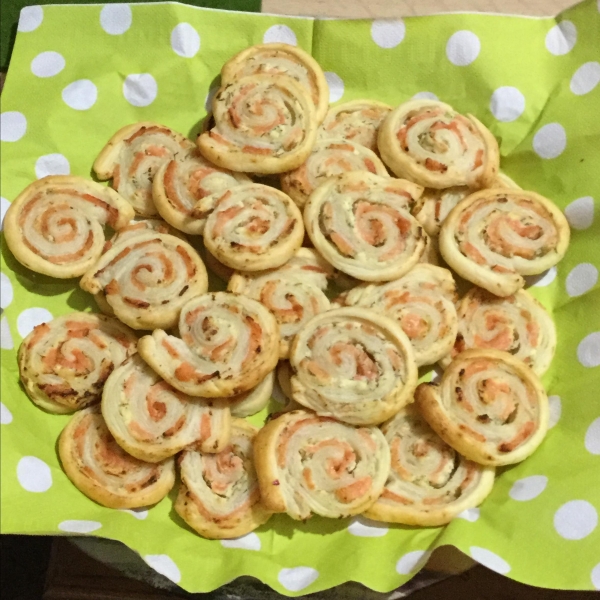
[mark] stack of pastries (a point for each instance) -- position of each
(342, 234)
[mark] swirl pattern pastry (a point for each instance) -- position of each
(64, 363)
(435, 205)
(229, 343)
(141, 226)
(310, 464)
(219, 496)
(103, 471)
(251, 227)
(294, 293)
(132, 157)
(263, 124)
(281, 59)
(361, 224)
(357, 121)
(251, 402)
(180, 183)
(494, 237)
(56, 225)
(430, 143)
(353, 364)
(489, 406)
(422, 302)
(147, 279)
(152, 421)
(518, 324)
(329, 158)
(429, 483)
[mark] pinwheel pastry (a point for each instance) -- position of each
(281, 59)
(64, 363)
(353, 364)
(284, 374)
(219, 496)
(229, 343)
(253, 401)
(357, 121)
(430, 143)
(103, 471)
(132, 157)
(142, 226)
(152, 421)
(518, 324)
(310, 464)
(494, 237)
(329, 158)
(56, 225)
(422, 301)
(251, 227)
(181, 182)
(489, 406)
(294, 293)
(361, 224)
(429, 482)
(264, 124)
(147, 278)
(434, 205)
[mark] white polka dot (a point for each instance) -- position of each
(550, 140)
(425, 96)
(595, 576)
(336, 86)
(6, 291)
(164, 565)
(115, 18)
(4, 204)
(555, 408)
(281, 34)
(580, 212)
(185, 40)
(140, 89)
(79, 526)
(561, 38)
(5, 415)
(80, 95)
(388, 33)
(34, 474)
(581, 279)
(250, 541)
(489, 559)
(6, 341)
(507, 104)
(30, 19)
(363, 527)
(47, 64)
(469, 514)
(588, 350)
(528, 488)
(13, 126)
(575, 520)
(546, 278)
(592, 437)
(298, 578)
(139, 513)
(51, 164)
(30, 318)
(412, 561)
(586, 78)
(463, 48)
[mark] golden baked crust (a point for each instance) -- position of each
(100, 469)
(254, 400)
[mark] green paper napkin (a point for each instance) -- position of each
(78, 73)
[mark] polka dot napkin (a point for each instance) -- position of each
(78, 73)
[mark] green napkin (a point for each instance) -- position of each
(78, 73)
